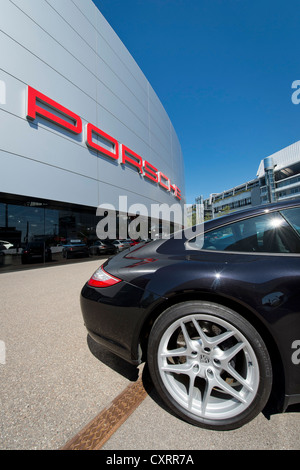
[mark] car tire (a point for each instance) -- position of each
(209, 365)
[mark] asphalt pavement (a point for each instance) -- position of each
(55, 380)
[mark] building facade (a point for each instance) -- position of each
(277, 179)
(279, 175)
(80, 124)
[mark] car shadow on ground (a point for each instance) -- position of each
(129, 371)
(116, 363)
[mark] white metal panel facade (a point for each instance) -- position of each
(66, 50)
(283, 158)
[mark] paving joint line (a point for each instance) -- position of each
(99, 430)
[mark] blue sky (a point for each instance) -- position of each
(223, 70)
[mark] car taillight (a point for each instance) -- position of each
(102, 279)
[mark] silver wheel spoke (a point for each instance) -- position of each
(187, 338)
(228, 355)
(174, 352)
(216, 340)
(177, 368)
(201, 333)
(206, 396)
(239, 378)
(230, 390)
(191, 392)
(212, 341)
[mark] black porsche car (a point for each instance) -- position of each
(215, 315)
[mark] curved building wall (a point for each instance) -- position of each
(67, 51)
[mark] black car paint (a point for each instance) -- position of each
(262, 287)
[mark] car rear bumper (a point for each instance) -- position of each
(112, 317)
(290, 400)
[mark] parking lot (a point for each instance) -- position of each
(55, 380)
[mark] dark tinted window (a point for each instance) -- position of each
(293, 217)
(269, 233)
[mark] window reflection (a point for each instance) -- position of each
(268, 233)
(293, 217)
(41, 223)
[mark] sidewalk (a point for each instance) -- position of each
(51, 383)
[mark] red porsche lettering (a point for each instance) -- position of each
(150, 172)
(90, 129)
(74, 124)
(39, 104)
(128, 156)
(164, 181)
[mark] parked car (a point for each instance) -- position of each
(36, 252)
(3, 254)
(6, 244)
(101, 247)
(121, 244)
(75, 248)
(133, 242)
(216, 316)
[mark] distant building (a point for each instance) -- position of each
(277, 179)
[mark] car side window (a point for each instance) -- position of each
(293, 217)
(268, 233)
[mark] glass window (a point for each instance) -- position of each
(23, 220)
(269, 233)
(293, 217)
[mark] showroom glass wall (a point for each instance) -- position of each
(48, 226)
(24, 220)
